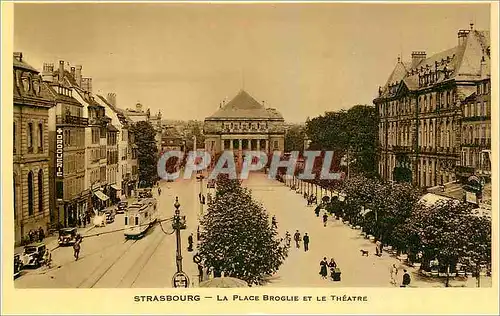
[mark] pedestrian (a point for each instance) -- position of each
(323, 270)
(198, 235)
(203, 199)
(406, 279)
(31, 236)
(79, 222)
(305, 196)
(47, 258)
(377, 249)
(379, 246)
(76, 248)
(159, 191)
(200, 273)
(306, 242)
(190, 242)
(317, 210)
(287, 239)
(325, 219)
(394, 274)
(296, 237)
(274, 223)
(41, 234)
(332, 265)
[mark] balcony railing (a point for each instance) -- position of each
(70, 119)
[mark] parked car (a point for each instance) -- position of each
(67, 236)
(110, 217)
(18, 265)
(33, 255)
(144, 193)
(121, 207)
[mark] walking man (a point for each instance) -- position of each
(274, 223)
(296, 237)
(76, 248)
(306, 242)
(190, 242)
(325, 219)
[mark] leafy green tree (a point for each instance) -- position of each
(352, 132)
(294, 138)
(237, 237)
(443, 231)
(147, 153)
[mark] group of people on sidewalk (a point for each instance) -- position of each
(325, 265)
(36, 235)
(298, 239)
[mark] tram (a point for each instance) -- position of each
(139, 217)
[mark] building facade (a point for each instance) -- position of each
(69, 196)
(244, 124)
(420, 110)
(30, 149)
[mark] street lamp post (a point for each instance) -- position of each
(180, 279)
(177, 225)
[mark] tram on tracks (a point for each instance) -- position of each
(139, 217)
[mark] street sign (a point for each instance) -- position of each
(197, 259)
(180, 279)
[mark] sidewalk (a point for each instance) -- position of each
(51, 241)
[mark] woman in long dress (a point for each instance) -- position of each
(332, 265)
(323, 271)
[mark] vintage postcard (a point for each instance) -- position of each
(239, 157)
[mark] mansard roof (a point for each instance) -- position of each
(243, 105)
(461, 63)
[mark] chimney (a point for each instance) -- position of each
(61, 70)
(48, 72)
(111, 98)
(73, 72)
(417, 57)
(87, 84)
(462, 37)
(78, 75)
(484, 68)
(18, 56)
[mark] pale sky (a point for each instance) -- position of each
(184, 59)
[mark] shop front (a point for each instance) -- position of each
(99, 200)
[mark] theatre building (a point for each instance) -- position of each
(433, 111)
(244, 124)
(30, 150)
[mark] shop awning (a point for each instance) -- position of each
(101, 195)
(116, 187)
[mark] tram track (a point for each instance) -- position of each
(135, 271)
(101, 275)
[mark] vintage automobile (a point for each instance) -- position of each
(33, 255)
(110, 217)
(121, 207)
(18, 265)
(67, 236)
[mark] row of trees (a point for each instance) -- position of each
(448, 230)
(237, 238)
